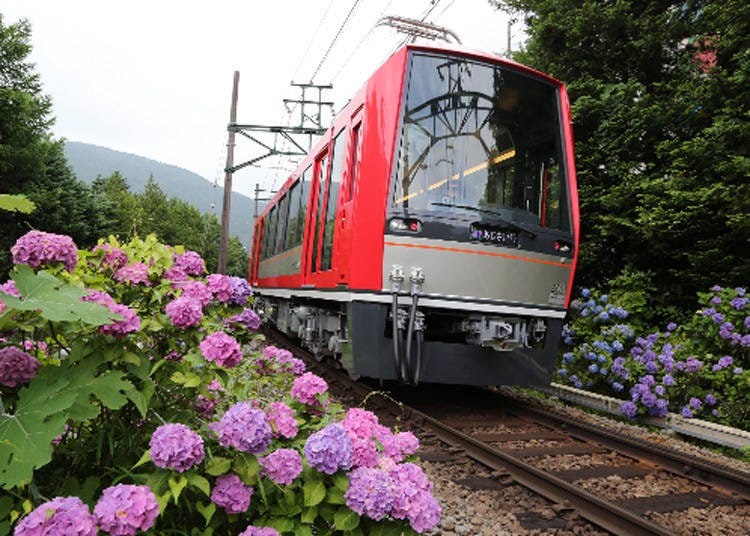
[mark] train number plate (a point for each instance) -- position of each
(494, 235)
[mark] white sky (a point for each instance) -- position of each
(154, 77)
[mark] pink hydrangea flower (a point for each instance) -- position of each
(133, 274)
(360, 423)
(413, 499)
(282, 465)
(259, 531)
(222, 349)
(62, 516)
(175, 446)
(190, 262)
(231, 494)
(221, 287)
(9, 287)
(184, 312)
(125, 509)
(281, 419)
(176, 275)
(197, 290)
(16, 366)
(37, 248)
(307, 387)
(130, 322)
(114, 258)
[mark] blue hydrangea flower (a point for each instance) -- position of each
(329, 449)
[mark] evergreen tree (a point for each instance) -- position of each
(31, 162)
(660, 108)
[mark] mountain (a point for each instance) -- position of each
(89, 161)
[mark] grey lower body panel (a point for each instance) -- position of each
(443, 362)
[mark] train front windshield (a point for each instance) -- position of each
(481, 138)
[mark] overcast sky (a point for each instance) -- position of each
(154, 78)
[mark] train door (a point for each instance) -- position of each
(346, 210)
(313, 232)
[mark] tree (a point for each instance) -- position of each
(660, 110)
(31, 162)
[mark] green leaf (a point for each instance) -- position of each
(345, 519)
(302, 530)
(335, 496)
(176, 486)
(281, 524)
(55, 300)
(16, 203)
(197, 481)
(341, 481)
(144, 459)
(206, 510)
(314, 492)
(26, 436)
(142, 398)
(309, 513)
(217, 466)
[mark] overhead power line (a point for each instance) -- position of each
(335, 38)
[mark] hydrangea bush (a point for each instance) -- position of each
(131, 402)
(699, 369)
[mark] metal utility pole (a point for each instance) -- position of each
(224, 238)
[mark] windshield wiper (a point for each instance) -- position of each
(503, 219)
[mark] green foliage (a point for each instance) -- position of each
(662, 138)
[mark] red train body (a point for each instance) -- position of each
(432, 233)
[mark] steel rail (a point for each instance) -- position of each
(676, 462)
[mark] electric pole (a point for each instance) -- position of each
(224, 238)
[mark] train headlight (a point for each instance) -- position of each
(408, 225)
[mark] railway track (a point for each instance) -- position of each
(582, 471)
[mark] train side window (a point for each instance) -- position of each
(270, 244)
(332, 197)
(294, 220)
(264, 238)
(356, 154)
(304, 202)
(322, 167)
(281, 222)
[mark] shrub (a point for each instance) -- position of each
(130, 400)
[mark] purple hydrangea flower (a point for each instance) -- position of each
(125, 509)
(184, 312)
(221, 287)
(133, 274)
(370, 493)
(190, 262)
(247, 317)
(198, 291)
(307, 387)
(695, 403)
(329, 449)
(686, 412)
(16, 366)
(739, 303)
(282, 421)
(259, 531)
(62, 516)
(222, 349)
(175, 446)
(282, 465)
(412, 497)
(710, 400)
(244, 428)
(9, 287)
(628, 409)
(231, 494)
(241, 290)
(37, 248)
(671, 326)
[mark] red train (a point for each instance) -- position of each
(431, 235)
